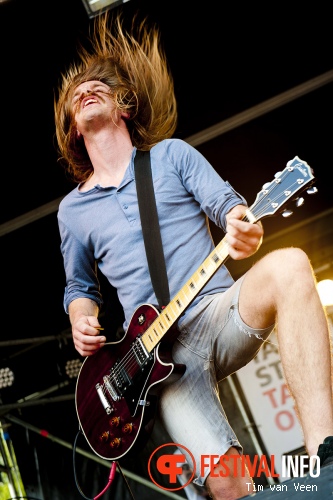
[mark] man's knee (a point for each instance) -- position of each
(285, 266)
(293, 257)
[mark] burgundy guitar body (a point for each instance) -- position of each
(117, 388)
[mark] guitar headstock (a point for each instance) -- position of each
(283, 189)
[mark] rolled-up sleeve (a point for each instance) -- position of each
(80, 269)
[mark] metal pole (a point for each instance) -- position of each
(127, 473)
(10, 468)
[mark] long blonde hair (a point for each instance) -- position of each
(133, 64)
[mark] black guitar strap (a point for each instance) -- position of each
(150, 227)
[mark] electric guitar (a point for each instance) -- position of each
(117, 387)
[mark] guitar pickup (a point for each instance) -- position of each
(111, 390)
(141, 354)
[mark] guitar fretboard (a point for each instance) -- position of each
(169, 315)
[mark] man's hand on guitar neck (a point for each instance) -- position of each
(243, 238)
(85, 326)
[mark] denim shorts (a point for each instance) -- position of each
(213, 343)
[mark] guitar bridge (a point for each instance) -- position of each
(103, 399)
(110, 388)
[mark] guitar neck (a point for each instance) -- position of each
(273, 197)
(170, 314)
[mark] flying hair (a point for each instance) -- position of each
(132, 62)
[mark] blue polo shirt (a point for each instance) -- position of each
(101, 227)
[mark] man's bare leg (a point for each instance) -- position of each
(233, 486)
(282, 287)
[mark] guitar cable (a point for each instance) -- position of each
(111, 475)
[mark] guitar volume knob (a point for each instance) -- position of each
(104, 437)
(115, 421)
(127, 429)
(115, 443)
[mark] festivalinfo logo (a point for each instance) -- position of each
(165, 466)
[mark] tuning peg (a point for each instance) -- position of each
(277, 174)
(312, 190)
(299, 202)
(287, 213)
(265, 186)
